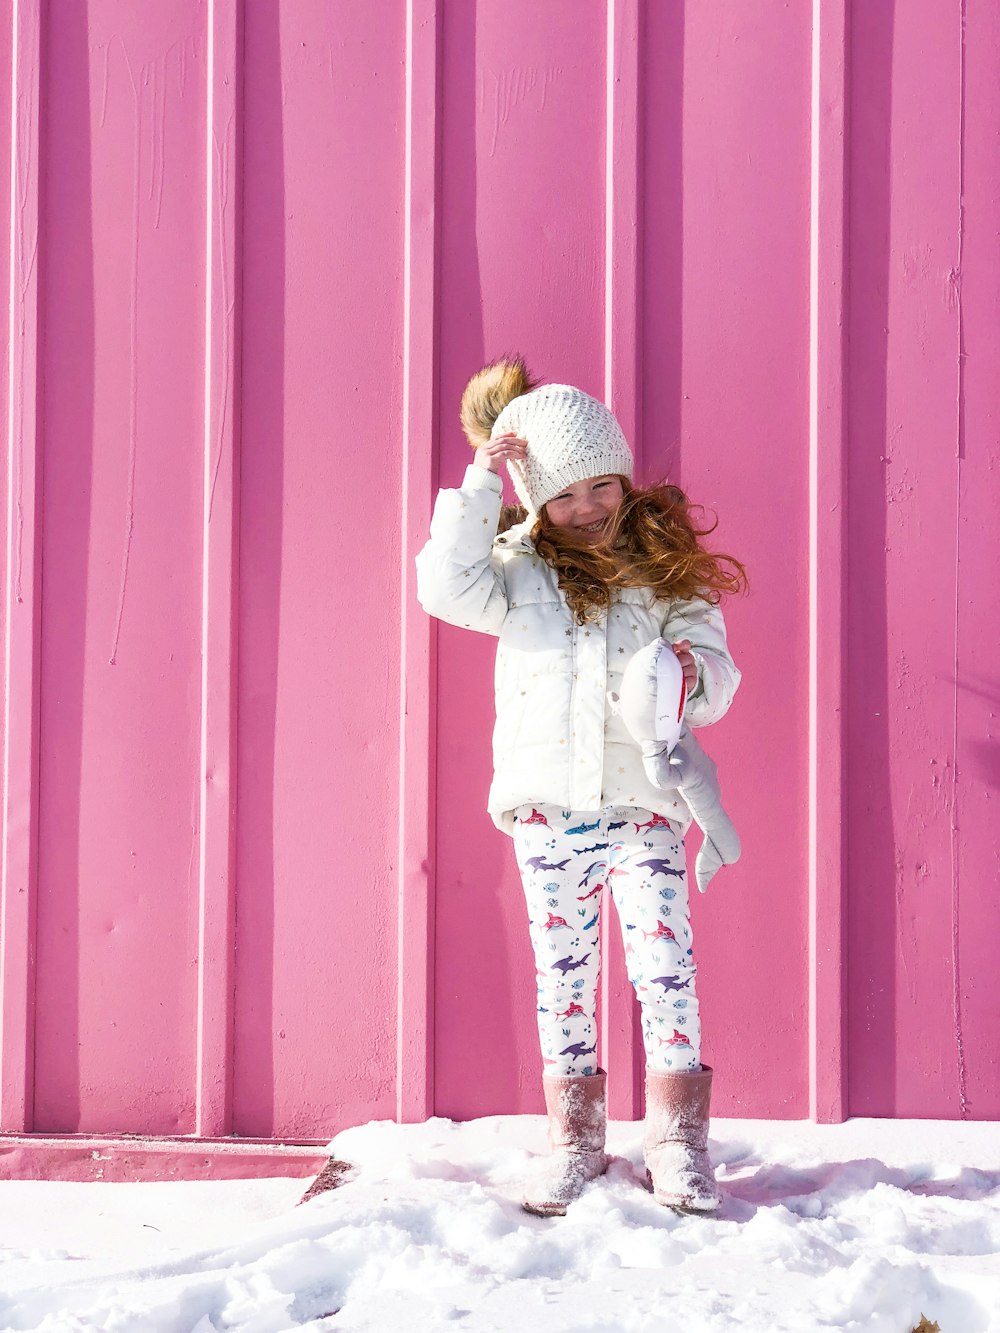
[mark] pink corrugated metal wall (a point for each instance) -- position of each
(249, 885)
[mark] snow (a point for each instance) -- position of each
(866, 1225)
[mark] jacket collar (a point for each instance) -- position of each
(516, 538)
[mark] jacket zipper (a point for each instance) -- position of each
(572, 714)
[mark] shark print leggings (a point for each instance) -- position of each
(566, 858)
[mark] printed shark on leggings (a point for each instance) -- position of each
(658, 821)
(534, 818)
(662, 932)
(678, 1039)
(578, 1048)
(555, 923)
(569, 964)
(540, 863)
(670, 983)
(572, 1011)
(618, 870)
(660, 865)
(584, 828)
(594, 865)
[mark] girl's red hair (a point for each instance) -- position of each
(653, 543)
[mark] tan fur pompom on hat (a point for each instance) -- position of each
(571, 436)
(488, 393)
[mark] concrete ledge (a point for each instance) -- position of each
(134, 1157)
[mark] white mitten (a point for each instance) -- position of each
(651, 703)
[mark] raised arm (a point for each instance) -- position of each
(457, 578)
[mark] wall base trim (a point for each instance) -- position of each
(84, 1157)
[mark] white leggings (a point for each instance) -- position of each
(565, 858)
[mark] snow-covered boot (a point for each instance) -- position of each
(675, 1140)
(577, 1125)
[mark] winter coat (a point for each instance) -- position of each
(557, 738)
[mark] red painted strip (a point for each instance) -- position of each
(415, 1014)
(621, 1040)
(84, 1158)
(220, 563)
(23, 591)
(827, 572)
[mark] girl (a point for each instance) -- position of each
(593, 570)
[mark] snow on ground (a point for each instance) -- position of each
(865, 1226)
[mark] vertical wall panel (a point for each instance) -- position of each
(910, 908)
(975, 855)
(220, 572)
(621, 1047)
(522, 245)
(827, 564)
(319, 609)
(725, 415)
(121, 265)
(6, 147)
(22, 587)
(6, 231)
(415, 1014)
(872, 816)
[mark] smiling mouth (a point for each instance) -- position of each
(593, 527)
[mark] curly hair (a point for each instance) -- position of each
(653, 542)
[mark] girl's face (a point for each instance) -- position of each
(586, 508)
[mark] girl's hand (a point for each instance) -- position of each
(682, 651)
(501, 450)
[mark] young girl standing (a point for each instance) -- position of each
(594, 570)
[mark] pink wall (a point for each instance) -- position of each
(254, 253)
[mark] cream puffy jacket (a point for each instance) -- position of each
(557, 737)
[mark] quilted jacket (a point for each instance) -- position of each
(557, 737)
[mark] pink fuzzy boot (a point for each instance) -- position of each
(676, 1139)
(577, 1125)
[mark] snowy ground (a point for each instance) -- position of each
(867, 1225)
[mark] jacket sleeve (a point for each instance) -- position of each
(458, 578)
(718, 674)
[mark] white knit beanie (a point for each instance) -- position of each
(570, 436)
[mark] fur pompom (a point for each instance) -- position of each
(488, 393)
